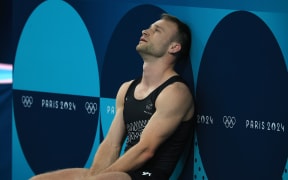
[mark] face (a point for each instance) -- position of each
(157, 39)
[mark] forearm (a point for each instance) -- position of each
(134, 158)
(105, 156)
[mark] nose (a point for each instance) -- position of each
(145, 32)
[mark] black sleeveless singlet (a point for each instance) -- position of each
(137, 114)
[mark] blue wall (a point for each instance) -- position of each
(70, 58)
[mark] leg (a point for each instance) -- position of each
(69, 174)
(110, 176)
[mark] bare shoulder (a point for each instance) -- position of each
(124, 86)
(178, 90)
(176, 100)
(122, 91)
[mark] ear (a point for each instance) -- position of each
(174, 47)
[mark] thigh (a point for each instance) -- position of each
(69, 174)
(110, 176)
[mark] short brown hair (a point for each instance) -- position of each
(183, 36)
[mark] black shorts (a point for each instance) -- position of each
(148, 175)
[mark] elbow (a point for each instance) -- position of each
(148, 154)
(146, 151)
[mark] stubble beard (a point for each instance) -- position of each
(144, 50)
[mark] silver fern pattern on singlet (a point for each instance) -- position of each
(135, 129)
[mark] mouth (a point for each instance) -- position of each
(142, 39)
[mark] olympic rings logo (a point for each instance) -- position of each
(27, 101)
(91, 107)
(229, 121)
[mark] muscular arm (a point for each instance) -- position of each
(109, 150)
(173, 105)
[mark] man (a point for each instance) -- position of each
(155, 112)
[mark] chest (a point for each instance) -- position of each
(138, 109)
(141, 92)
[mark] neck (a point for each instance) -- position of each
(156, 72)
